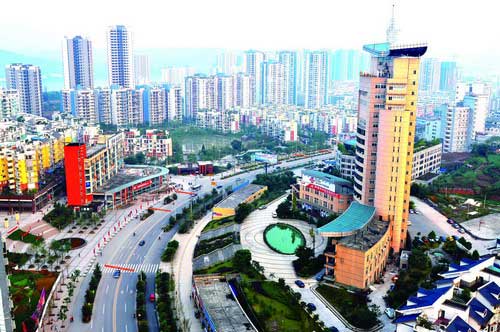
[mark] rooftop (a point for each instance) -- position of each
(424, 298)
(94, 149)
(466, 265)
(131, 175)
(368, 237)
(386, 49)
(459, 325)
(220, 303)
(326, 177)
(491, 292)
(236, 198)
(356, 217)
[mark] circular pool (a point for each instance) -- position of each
(283, 238)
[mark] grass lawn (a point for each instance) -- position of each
(25, 291)
(214, 224)
(29, 238)
(223, 267)
(351, 306)
(276, 309)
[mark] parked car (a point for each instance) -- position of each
(390, 312)
(262, 207)
(275, 215)
(450, 221)
(455, 237)
(151, 297)
(142, 243)
(333, 329)
(408, 223)
(442, 239)
(219, 187)
(117, 274)
(311, 306)
(395, 278)
(300, 284)
(391, 287)
(461, 230)
(455, 226)
(320, 275)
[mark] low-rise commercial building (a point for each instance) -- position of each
(426, 159)
(324, 192)
(247, 194)
(358, 247)
(219, 306)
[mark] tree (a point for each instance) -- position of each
(432, 235)
(242, 260)
(475, 255)
(242, 211)
(236, 145)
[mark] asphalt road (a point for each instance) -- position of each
(114, 305)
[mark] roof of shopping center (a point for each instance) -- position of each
(131, 175)
(232, 201)
(356, 217)
(218, 300)
(326, 177)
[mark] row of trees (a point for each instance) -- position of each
(88, 304)
(169, 252)
(164, 303)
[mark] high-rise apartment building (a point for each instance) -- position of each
(316, 80)
(27, 80)
(289, 61)
(174, 104)
(243, 90)
(82, 104)
(176, 75)
(430, 74)
(386, 134)
(155, 105)
(274, 83)
(227, 63)
(448, 76)
(78, 63)
(199, 95)
(142, 69)
(224, 92)
(253, 67)
(457, 129)
(127, 107)
(9, 103)
(120, 57)
(103, 105)
(478, 105)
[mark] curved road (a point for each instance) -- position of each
(115, 299)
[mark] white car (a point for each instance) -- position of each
(390, 312)
(275, 215)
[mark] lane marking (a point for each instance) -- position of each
(125, 306)
(107, 289)
(103, 308)
(117, 267)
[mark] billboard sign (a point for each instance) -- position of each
(141, 185)
(265, 157)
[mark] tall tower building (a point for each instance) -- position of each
(243, 90)
(27, 80)
(316, 79)
(120, 60)
(227, 63)
(457, 128)
(274, 83)
(386, 134)
(224, 92)
(392, 32)
(155, 105)
(289, 61)
(448, 76)
(103, 105)
(176, 75)
(82, 104)
(174, 104)
(142, 69)
(9, 103)
(127, 107)
(253, 67)
(78, 63)
(430, 74)
(199, 95)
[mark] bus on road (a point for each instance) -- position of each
(196, 187)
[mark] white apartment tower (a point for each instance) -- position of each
(78, 63)
(156, 105)
(82, 104)
(243, 90)
(142, 69)
(127, 107)
(174, 104)
(27, 80)
(274, 83)
(289, 61)
(9, 103)
(457, 130)
(253, 67)
(120, 60)
(316, 79)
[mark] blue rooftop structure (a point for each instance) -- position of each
(386, 49)
(479, 312)
(424, 298)
(356, 217)
(465, 265)
(406, 318)
(491, 292)
(459, 325)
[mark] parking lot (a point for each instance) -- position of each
(428, 219)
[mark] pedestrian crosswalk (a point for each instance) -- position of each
(131, 268)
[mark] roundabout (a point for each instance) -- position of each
(276, 265)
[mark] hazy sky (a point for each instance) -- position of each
(451, 27)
